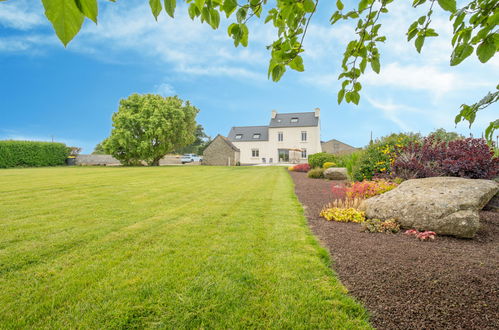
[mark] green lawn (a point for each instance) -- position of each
(174, 247)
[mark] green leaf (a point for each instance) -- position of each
(229, 6)
(355, 97)
(419, 43)
(449, 5)
(241, 14)
(375, 65)
(309, 6)
(357, 86)
(214, 18)
(193, 11)
(363, 5)
(155, 8)
(486, 50)
(431, 33)
(277, 72)
(88, 8)
(297, 64)
(422, 19)
(460, 53)
(65, 17)
(339, 5)
(199, 4)
(341, 94)
(170, 7)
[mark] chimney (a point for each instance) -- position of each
(274, 113)
(317, 112)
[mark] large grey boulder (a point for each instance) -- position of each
(445, 205)
(493, 204)
(336, 173)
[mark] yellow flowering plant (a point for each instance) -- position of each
(343, 215)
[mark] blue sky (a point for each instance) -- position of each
(70, 93)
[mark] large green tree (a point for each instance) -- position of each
(474, 31)
(147, 127)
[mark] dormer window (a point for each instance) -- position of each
(239, 136)
(294, 119)
(256, 136)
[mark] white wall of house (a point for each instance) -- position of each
(292, 139)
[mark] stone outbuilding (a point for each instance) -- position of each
(221, 152)
(337, 147)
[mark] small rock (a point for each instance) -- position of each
(336, 173)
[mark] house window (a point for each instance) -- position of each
(280, 136)
(304, 153)
(304, 136)
(256, 136)
(294, 119)
(255, 153)
(239, 136)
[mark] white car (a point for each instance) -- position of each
(189, 158)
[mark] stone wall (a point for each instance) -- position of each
(108, 160)
(219, 152)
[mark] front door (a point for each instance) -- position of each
(283, 155)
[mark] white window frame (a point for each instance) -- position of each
(280, 136)
(257, 135)
(304, 153)
(255, 153)
(239, 136)
(294, 119)
(304, 134)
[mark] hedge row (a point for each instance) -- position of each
(32, 154)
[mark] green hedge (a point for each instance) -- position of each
(318, 159)
(32, 154)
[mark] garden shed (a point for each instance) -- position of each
(221, 152)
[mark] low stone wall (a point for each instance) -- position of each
(108, 160)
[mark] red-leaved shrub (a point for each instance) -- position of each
(466, 158)
(301, 168)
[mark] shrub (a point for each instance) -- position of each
(379, 155)
(367, 189)
(380, 226)
(467, 158)
(327, 165)
(350, 161)
(339, 191)
(318, 159)
(316, 173)
(343, 215)
(301, 168)
(32, 154)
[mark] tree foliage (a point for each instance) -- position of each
(474, 30)
(147, 127)
(201, 141)
(441, 135)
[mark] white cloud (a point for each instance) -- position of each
(17, 15)
(394, 112)
(164, 89)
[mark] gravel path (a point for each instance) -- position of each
(405, 283)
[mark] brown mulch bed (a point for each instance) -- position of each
(404, 283)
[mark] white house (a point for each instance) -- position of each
(289, 138)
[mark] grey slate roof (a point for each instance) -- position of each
(305, 119)
(226, 141)
(248, 132)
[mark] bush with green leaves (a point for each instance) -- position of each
(318, 159)
(316, 173)
(349, 161)
(379, 155)
(32, 154)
